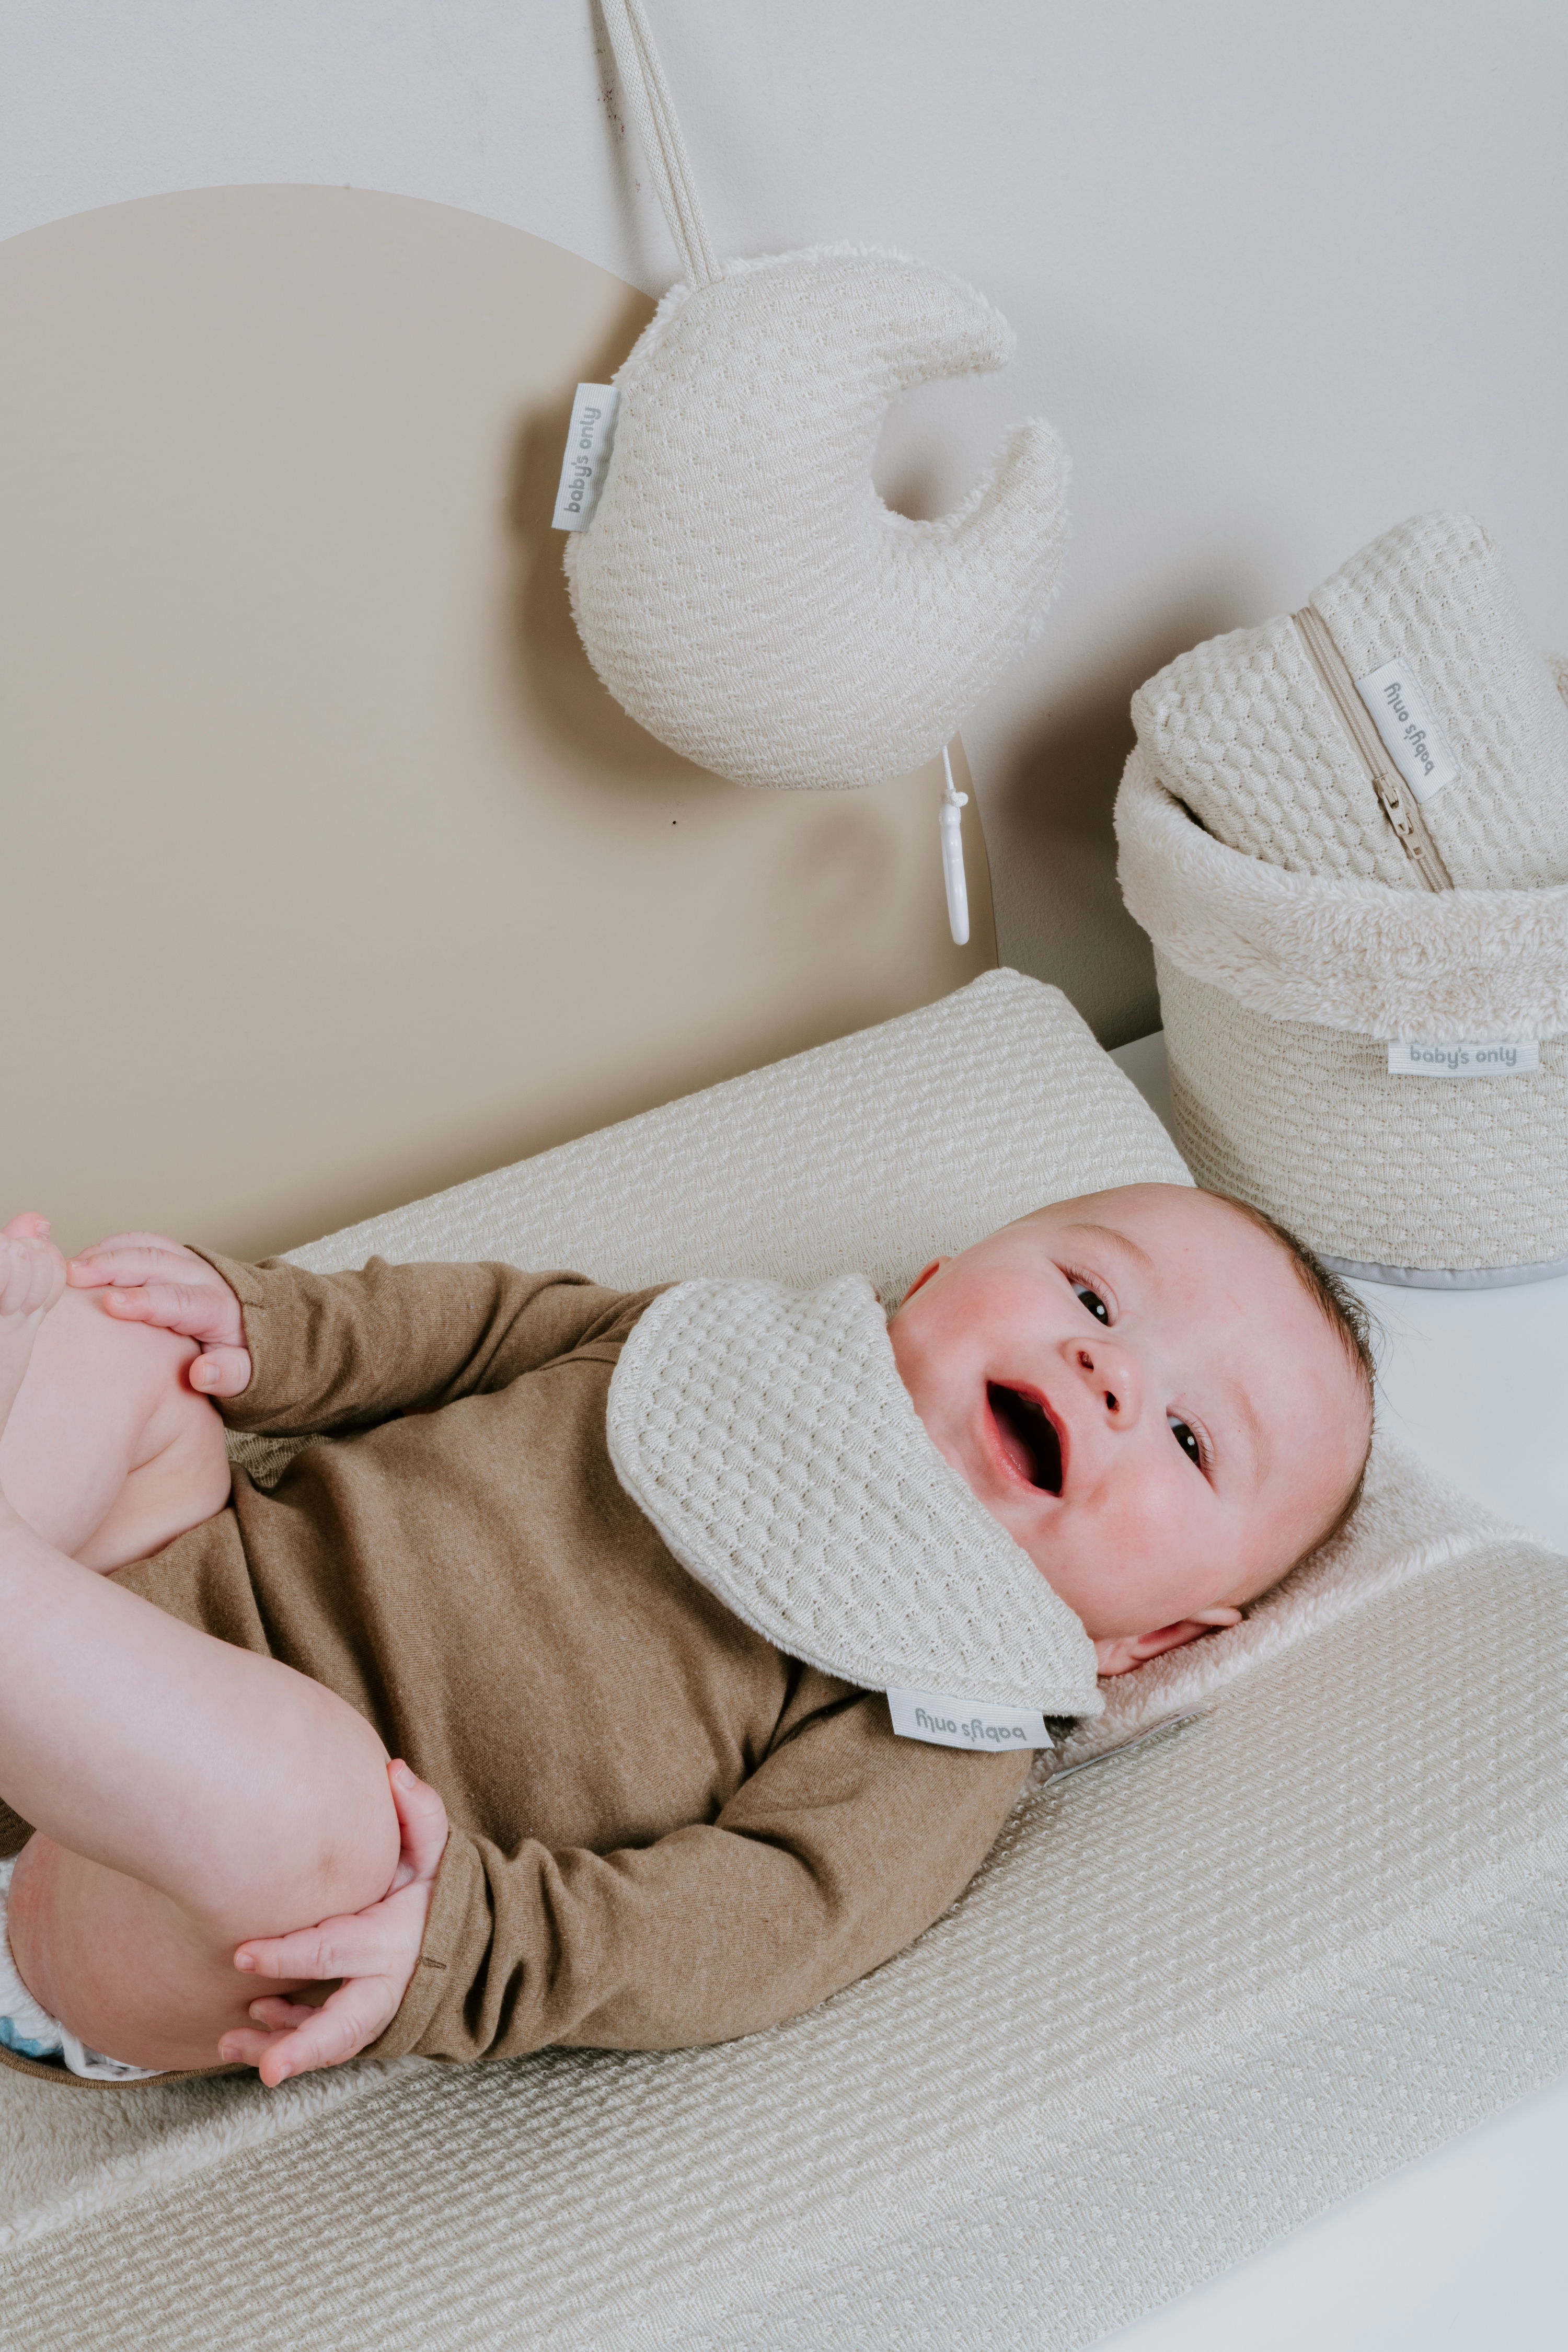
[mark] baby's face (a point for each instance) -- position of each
(1139, 1387)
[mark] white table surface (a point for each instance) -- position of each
(1464, 2247)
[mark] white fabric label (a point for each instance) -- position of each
(592, 429)
(964, 1722)
(1476, 1057)
(1411, 735)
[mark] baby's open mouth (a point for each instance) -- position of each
(1028, 1436)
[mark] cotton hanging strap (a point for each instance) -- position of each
(648, 106)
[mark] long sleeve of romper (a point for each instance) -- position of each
(833, 1855)
(663, 1833)
(334, 1351)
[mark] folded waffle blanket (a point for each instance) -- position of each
(1402, 728)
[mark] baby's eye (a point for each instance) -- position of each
(1186, 1438)
(1093, 1301)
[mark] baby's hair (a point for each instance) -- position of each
(1351, 1326)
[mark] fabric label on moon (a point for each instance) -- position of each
(588, 440)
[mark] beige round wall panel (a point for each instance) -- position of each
(332, 872)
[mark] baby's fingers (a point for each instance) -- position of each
(131, 1259)
(422, 1817)
(355, 1945)
(133, 1240)
(196, 1310)
(281, 2015)
(168, 1304)
(355, 2016)
(220, 1372)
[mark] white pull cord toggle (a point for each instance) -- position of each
(951, 822)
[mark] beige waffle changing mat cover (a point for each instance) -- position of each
(1199, 1991)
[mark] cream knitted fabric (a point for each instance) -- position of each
(1444, 1183)
(1351, 954)
(1244, 730)
(767, 1435)
(1296, 939)
(742, 589)
(1278, 991)
(1199, 1993)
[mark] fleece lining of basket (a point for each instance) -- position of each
(1343, 953)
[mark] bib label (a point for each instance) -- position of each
(948, 1722)
(1494, 1057)
(588, 442)
(1411, 735)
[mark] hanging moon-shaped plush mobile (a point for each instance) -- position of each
(738, 586)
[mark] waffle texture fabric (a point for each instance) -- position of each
(1294, 942)
(1279, 992)
(1200, 1991)
(742, 589)
(871, 1155)
(1350, 955)
(1244, 730)
(768, 1436)
(1436, 1183)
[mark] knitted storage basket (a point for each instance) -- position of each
(1281, 993)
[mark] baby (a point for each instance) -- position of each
(636, 1820)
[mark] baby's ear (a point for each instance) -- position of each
(1118, 1653)
(924, 1276)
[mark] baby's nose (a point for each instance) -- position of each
(1111, 1376)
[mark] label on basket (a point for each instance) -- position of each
(588, 440)
(1493, 1057)
(964, 1722)
(1411, 735)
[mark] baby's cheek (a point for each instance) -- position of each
(1099, 1566)
(1164, 1560)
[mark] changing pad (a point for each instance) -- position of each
(1202, 1988)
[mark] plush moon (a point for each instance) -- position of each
(742, 589)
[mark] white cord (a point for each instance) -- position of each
(951, 822)
(650, 107)
(646, 95)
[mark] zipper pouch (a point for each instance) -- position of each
(1401, 727)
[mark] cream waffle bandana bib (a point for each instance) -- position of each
(766, 1433)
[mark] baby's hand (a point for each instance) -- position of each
(373, 1951)
(147, 1278)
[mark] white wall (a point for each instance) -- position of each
(1281, 275)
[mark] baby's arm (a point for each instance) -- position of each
(344, 1350)
(837, 1852)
